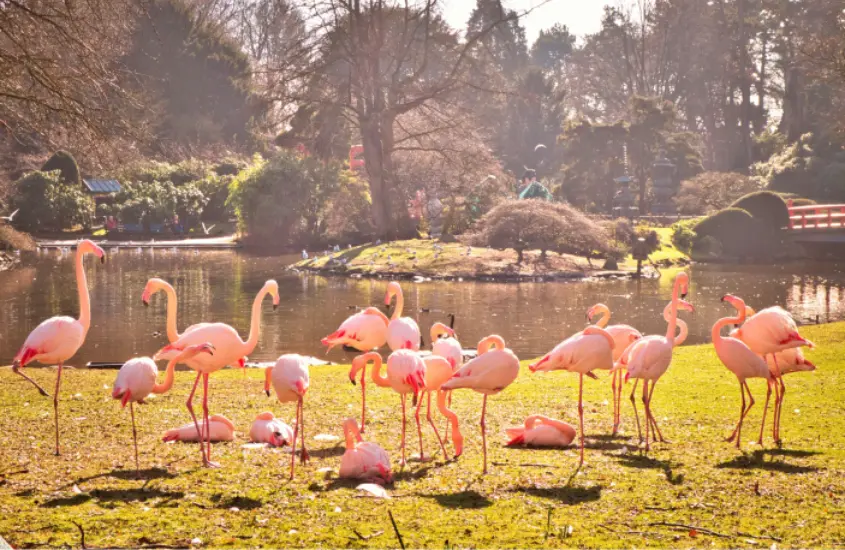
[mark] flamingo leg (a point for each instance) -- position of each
(402, 444)
(419, 426)
(776, 387)
(457, 437)
(190, 404)
(581, 415)
(363, 398)
(765, 410)
(613, 378)
(654, 427)
(19, 371)
(209, 462)
(484, 431)
(645, 407)
(293, 445)
(433, 427)
(780, 409)
(56, 404)
(304, 456)
(636, 414)
(134, 436)
(446, 425)
(778, 401)
(733, 435)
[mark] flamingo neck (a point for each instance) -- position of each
(255, 322)
(168, 377)
(716, 333)
(378, 378)
(495, 342)
(683, 329)
(352, 434)
(172, 333)
(400, 305)
(673, 312)
(268, 372)
(82, 289)
(604, 311)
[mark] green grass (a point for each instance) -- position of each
(529, 498)
(666, 253)
(418, 256)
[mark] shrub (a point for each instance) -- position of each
(156, 203)
(540, 225)
(187, 171)
(66, 164)
(12, 239)
(47, 203)
(738, 232)
(215, 190)
(712, 191)
(683, 235)
(767, 207)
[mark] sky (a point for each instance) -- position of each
(581, 16)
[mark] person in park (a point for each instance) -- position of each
(533, 189)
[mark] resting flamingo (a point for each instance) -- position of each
(783, 362)
(266, 428)
(582, 353)
(405, 374)
(155, 285)
(363, 459)
(488, 374)
(649, 357)
(623, 336)
(402, 332)
(215, 428)
(290, 380)
(541, 431)
(59, 338)
(767, 332)
(740, 360)
(229, 348)
(364, 331)
(136, 380)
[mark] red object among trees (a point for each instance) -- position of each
(356, 157)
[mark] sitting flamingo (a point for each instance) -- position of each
(363, 459)
(217, 428)
(623, 336)
(136, 380)
(59, 338)
(290, 379)
(402, 332)
(364, 331)
(489, 373)
(541, 431)
(266, 428)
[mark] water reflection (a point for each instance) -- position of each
(221, 285)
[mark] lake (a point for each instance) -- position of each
(221, 285)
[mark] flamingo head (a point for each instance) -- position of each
(685, 306)
(277, 439)
(682, 283)
(272, 288)
(393, 289)
(88, 247)
(734, 301)
(153, 285)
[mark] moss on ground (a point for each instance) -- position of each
(419, 257)
(530, 498)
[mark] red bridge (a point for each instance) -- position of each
(817, 223)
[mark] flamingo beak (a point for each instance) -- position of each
(809, 364)
(267, 392)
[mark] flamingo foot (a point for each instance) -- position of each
(403, 463)
(304, 457)
(210, 464)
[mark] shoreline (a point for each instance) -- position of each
(562, 276)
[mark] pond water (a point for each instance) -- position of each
(221, 285)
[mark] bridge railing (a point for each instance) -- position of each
(816, 216)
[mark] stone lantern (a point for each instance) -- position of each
(624, 198)
(664, 185)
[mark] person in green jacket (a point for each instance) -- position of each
(533, 189)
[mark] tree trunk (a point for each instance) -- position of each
(377, 176)
(744, 160)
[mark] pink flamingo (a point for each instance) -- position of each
(405, 374)
(623, 336)
(402, 332)
(290, 380)
(215, 428)
(229, 348)
(266, 428)
(59, 338)
(364, 331)
(740, 360)
(136, 380)
(767, 332)
(155, 285)
(488, 374)
(444, 343)
(649, 357)
(785, 362)
(363, 459)
(541, 431)
(582, 353)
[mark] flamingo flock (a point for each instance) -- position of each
(764, 344)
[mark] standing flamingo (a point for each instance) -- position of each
(583, 353)
(541, 431)
(489, 373)
(59, 338)
(363, 459)
(444, 343)
(767, 332)
(740, 360)
(229, 348)
(290, 380)
(405, 374)
(402, 332)
(649, 357)
(623, 336)
(782, 363)
(136, 380)
(364, 331)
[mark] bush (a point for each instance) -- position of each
(767, 207)
(540, 225)
(47, 203)
(683, 235)
(215, 190)
(156, 203)
(739, 233)
(187, 171)
(712, 191)
(66, 165)
(12, 239)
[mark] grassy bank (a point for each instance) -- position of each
(667, 254)
(621, 497)
(421, 257)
